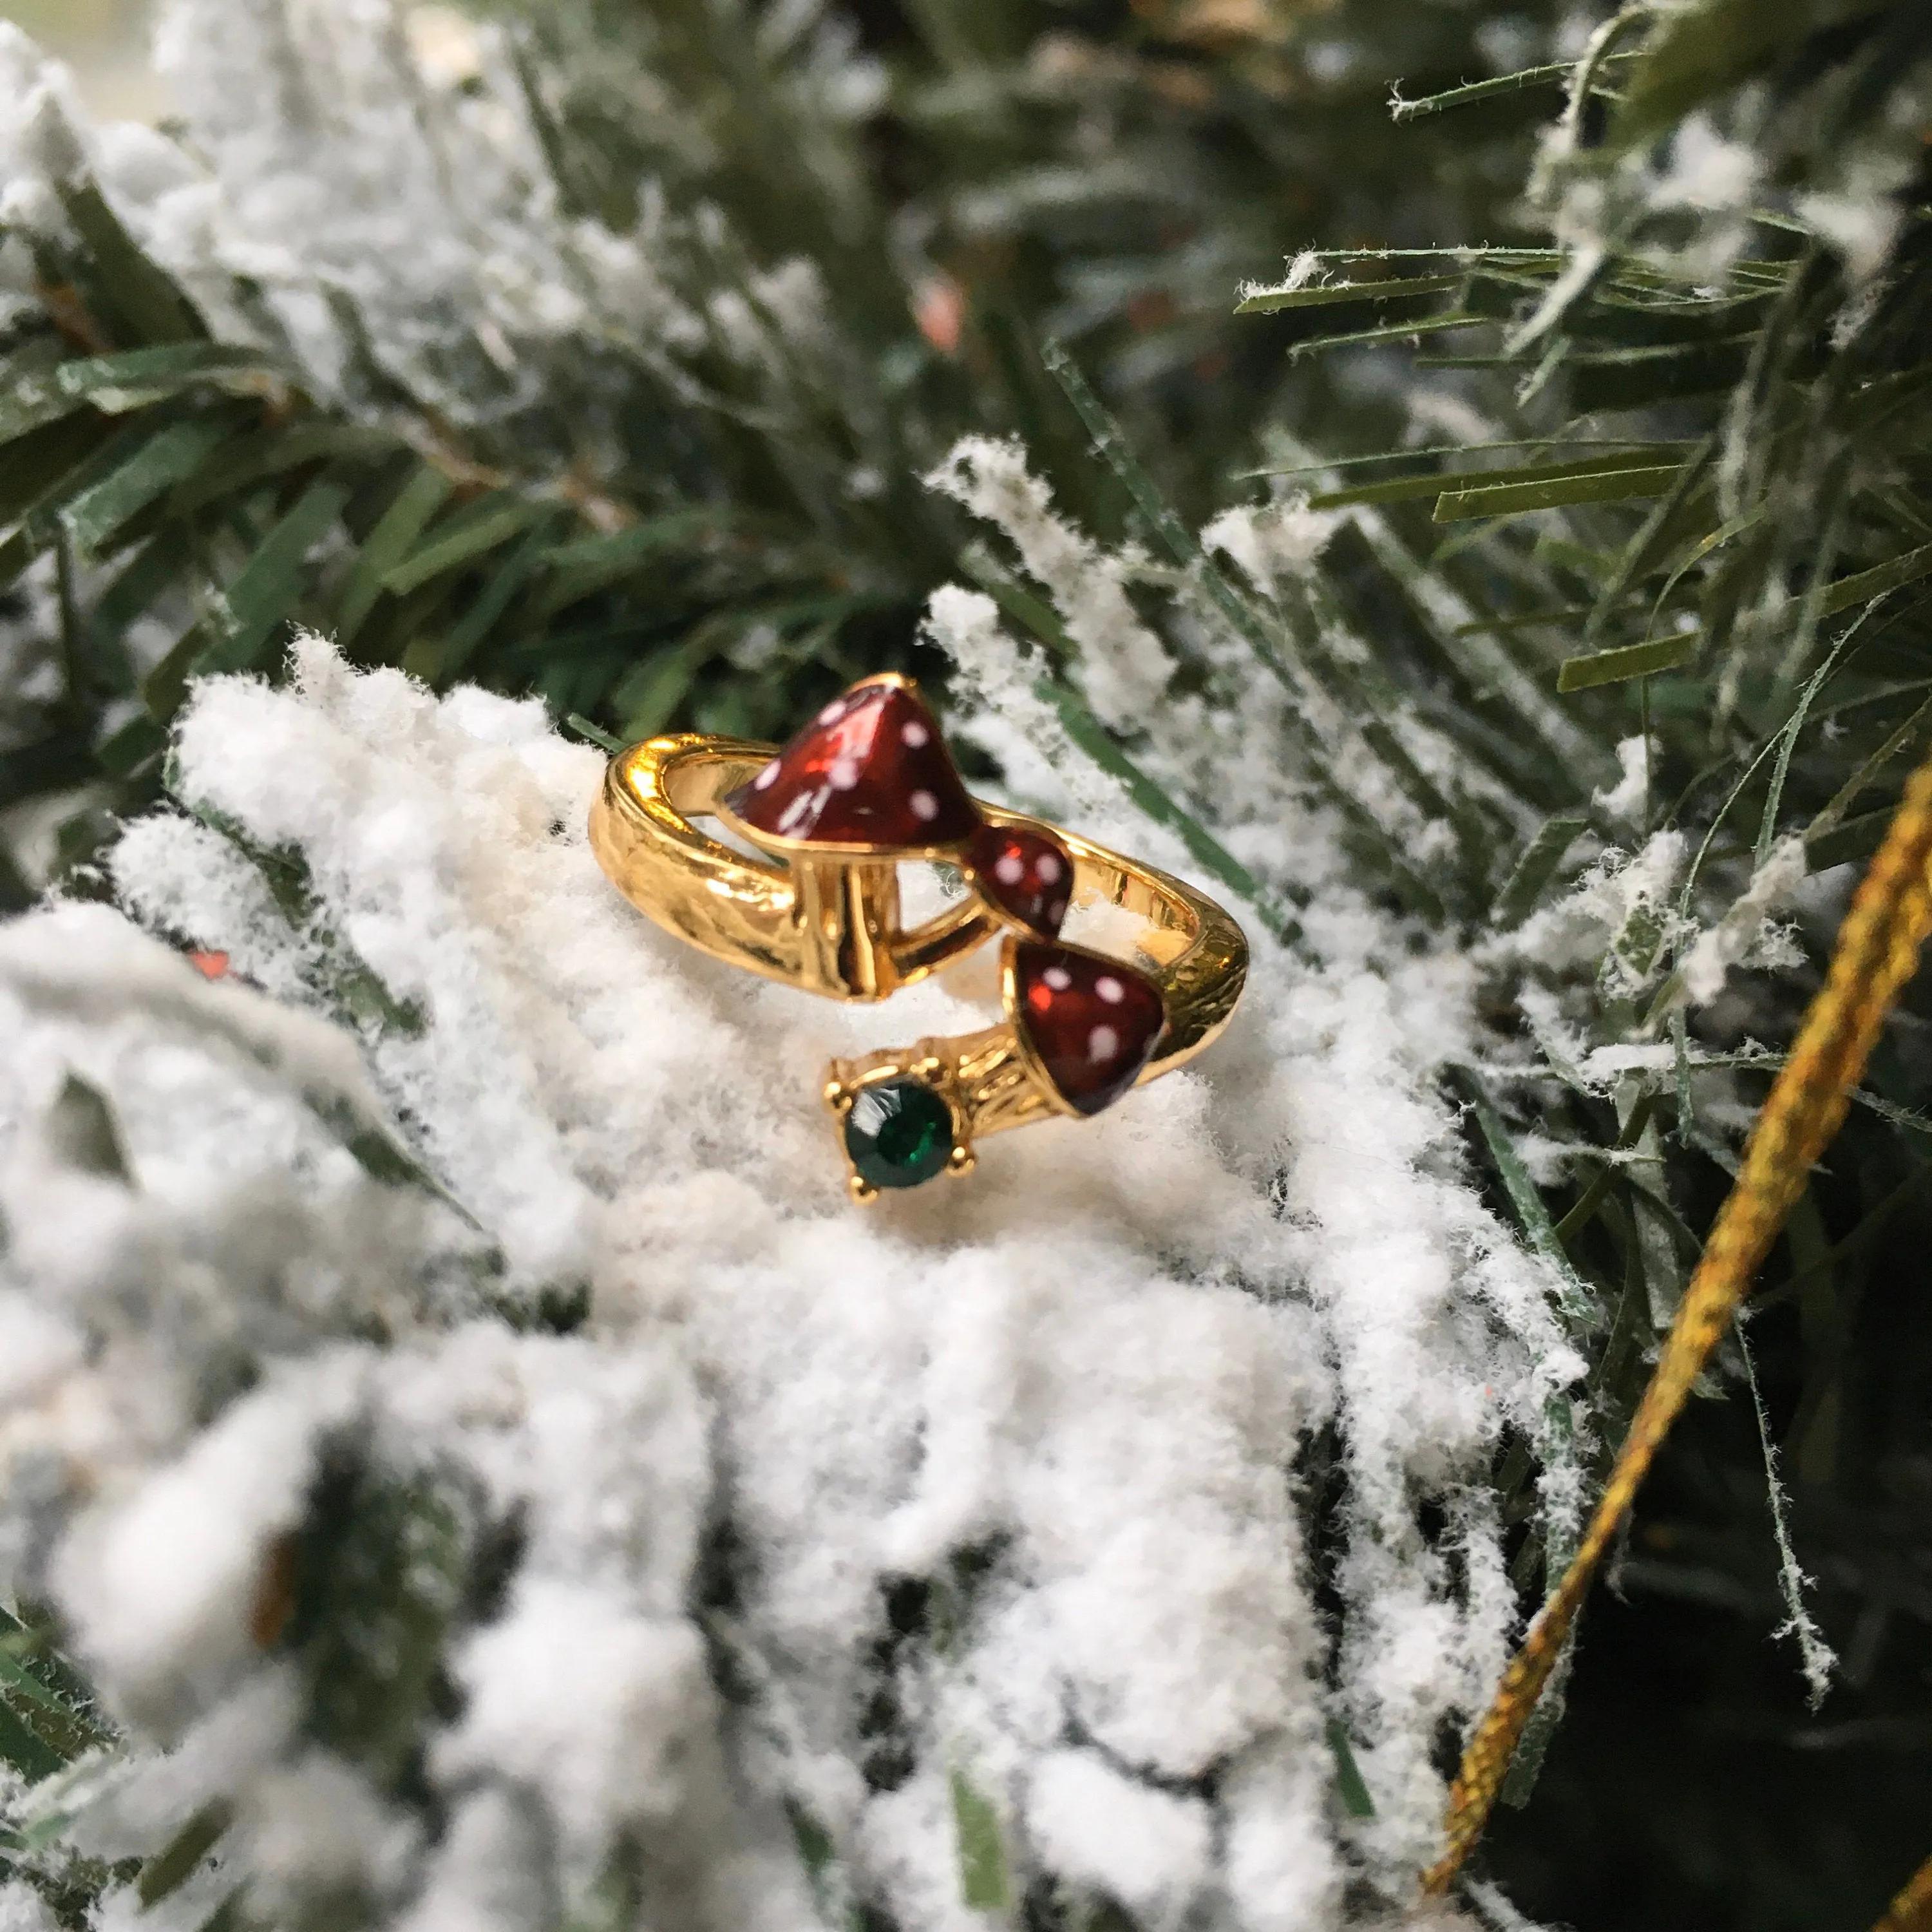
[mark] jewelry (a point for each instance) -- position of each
(865, 788)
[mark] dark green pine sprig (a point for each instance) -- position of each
(715, 567)
(1704, 520)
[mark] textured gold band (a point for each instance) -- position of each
(830, 924)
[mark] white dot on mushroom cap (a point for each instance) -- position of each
(914, 733)
(843, 774)
(925, 806)
(1048, 869)
(768, 777)
(1010, 871)
(832, 712)
(1110, 989)
(1102, 1043)
(1058, 978)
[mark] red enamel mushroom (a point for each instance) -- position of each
(1028, 876)
(870, 773)
(1091, 1023)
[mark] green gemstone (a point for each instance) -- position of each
(898, 1133)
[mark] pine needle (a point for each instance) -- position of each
(1817, 1658)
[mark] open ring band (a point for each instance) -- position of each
(1080, 1028)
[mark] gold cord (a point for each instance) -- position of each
(1911, 1911)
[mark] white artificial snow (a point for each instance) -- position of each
(1277, 1860)
(1304, 270)
(1747, 931)
(427, 207)
(1707, 172)
(1008, 716)
(445, 44)
(1629, 798)
(1086, 1374)
(1122, 664)
(40, 113)
(1398, 1248)
(599, 1708)
(1861, 209)
(384, 157)
(1147, 1848)
(1599, 1070)
(309, 1825)
(1817, 1657)
(22, 1910)
(161, 1585)
(1273, 545)
(1861, 220)
(1622, 912)
(1439, 414)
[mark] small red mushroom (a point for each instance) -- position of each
(1028, 876)
(1092, 1023)
(870, 773)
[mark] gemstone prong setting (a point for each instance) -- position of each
(900, 1129)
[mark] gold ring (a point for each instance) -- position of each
(866, 786)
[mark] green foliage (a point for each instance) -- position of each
(744, 539)
(1350, 1786)
(984, 1885)
(381, 1571)
(1728, 566)
(48, 1724)
(82, 1128)
(47, 1716)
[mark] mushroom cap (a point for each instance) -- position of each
(1091, 1023)
(870, 774)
